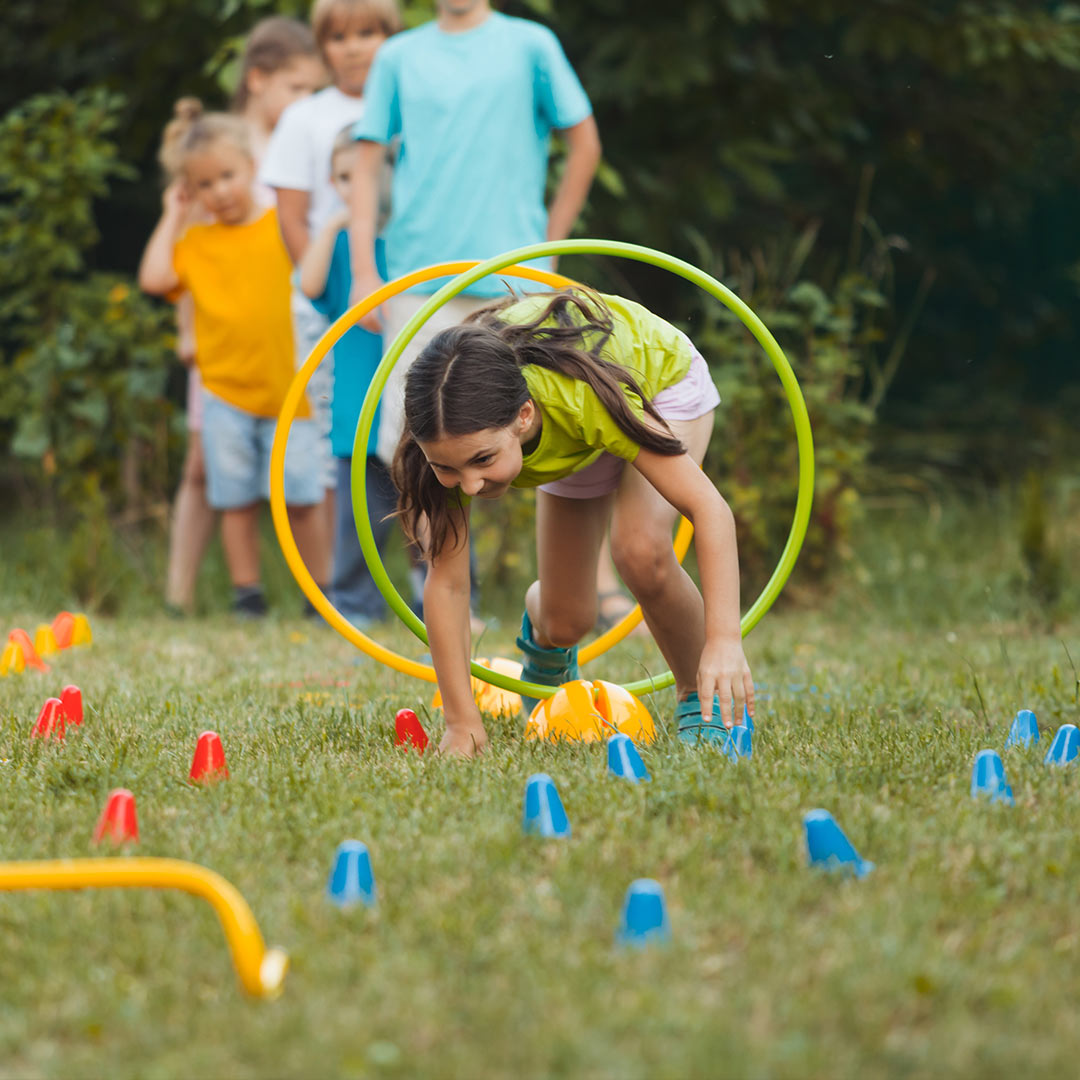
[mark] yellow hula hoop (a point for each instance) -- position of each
(279, 513)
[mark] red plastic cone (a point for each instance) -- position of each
(71, 696)
(408, 731)
(62, 626)
(118, 823)
(50, 721)
(209, 761)
(22, 639)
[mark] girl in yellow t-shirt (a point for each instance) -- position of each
(559, 392)
(237, 271)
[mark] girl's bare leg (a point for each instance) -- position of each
(307, 523)
(641, 537)
(569, 532)
(191, 529)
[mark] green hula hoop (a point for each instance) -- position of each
(803, 434)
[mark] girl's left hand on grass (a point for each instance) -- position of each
(723, 671)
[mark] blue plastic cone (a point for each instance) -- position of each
(827, 846)
(1065, 746)
(988, 778)
(351, 881)
(644, 915)
(544, 813)
(1024, 730)
(747, 720)
(624, 760)
(739, 743)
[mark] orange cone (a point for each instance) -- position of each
(61, 628)
(30, 656)
(71, 696)
(118, 823)
(50, 721)
(209, 761)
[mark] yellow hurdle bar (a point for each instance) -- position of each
(261, 970)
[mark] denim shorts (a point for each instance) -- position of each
(693, 396)
(236, 447)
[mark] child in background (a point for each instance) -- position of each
(559, 392)
(297, 164)
(237, 272)
(280, 64)
(325, 279)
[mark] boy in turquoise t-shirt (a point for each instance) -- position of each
(472, 99)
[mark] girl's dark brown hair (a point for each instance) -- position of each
(273, 43)
(469, 378)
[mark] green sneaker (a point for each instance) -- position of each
(549, 667)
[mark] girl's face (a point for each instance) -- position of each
(342, 167)
(220, 176)
(350, 48)
(482, 463)
(272, 92)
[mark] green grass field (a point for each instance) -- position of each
(492, 954)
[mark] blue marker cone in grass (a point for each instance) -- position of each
(740, 743)
(988, 778)
(644, 915)
(543, 813)
(351, 881)
(1024, 730)
(828, 847)
(1065, 747)
(623, 759)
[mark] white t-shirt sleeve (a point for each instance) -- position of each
(289, 161)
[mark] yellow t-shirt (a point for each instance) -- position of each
(238, 277)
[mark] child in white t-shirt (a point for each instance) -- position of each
(297, 166)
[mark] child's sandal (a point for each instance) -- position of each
(692, 728)
(549, 667)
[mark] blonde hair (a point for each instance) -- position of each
(384, 13)
(191, 129)
(273, 44)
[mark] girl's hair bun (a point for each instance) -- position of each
(188, 109)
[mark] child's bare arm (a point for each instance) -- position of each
(292, 211)
(315, 262)
(157, 275)
(446, 612)
(363, 212)
(582, 159)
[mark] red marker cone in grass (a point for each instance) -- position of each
(50, 721)
(408, 731)
(118, 823)
(22, 639)
(209, 761)
(71, 697)
(62, 626)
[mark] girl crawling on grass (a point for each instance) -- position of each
(559, 391)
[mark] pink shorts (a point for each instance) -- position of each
(692, 396)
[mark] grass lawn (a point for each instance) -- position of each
(492, 954)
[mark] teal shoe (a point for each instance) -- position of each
(692, 729)
(549, 667)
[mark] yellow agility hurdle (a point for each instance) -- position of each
(261, 970)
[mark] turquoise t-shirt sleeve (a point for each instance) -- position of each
(382, 108)
(560, 97)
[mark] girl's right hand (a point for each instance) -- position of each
(464, 737)
(362, 287)
(176, 199)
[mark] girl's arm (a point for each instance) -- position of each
(157, 275)
(315, 263)
(582, 158)
(292, 213)
(446, 612)
(723, 669)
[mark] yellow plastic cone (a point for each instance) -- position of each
(80, 631)
(492, 699)
(45, 641)
(12, 660)
(588, 712)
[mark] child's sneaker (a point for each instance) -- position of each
(249, 602)
(692, 728)
(549, 667)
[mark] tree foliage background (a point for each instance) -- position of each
(893, 184)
